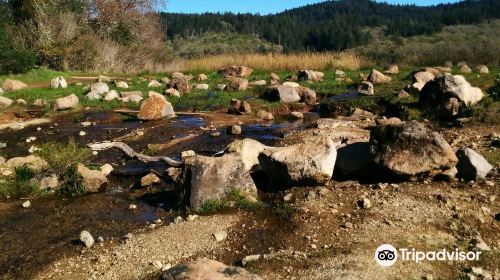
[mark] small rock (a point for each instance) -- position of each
(26, 204)
(364, 203)
(234, 130)
(297, 115)
(251, 258)
(187, 154)
(264, 115)
(191, 218)
(149, 180)
(86, 238)
(106, 169)
(132, 207)
(179, 220)
(82, 133)
(220, 235)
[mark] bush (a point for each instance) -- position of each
(13, 58)
(494, 91)
(21, 186)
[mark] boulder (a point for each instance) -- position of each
(12, 85)
(482, 69)
(64, 103)
(33, 162)
(212, 178)
(111, 95)
(202, 77)
(172, 92)
(122, 84)
(236, 71)
(297, 115)
(92, 179)
(377, 77)
(93, 95)
(449, 94)
(257, 83)
(178, 75)
(234, 129)
(420, 78)
(20, 101)
(238, 107)
(410, 149)
(472, 165)
(150, 180)
(339, 73)
(86, 238)
(285, 94)
(39, 102)
(392, 70)
(103, 79)
(99, 88)
(465, 69)
(274, 77)
(358, 112)
(346, 80)
(238, 84)
(366, 88)
(125, 94)
(291, 84)
(5, 102)
(205, 269)
(182, 85)
(307, 95)
(248, 149)
(352, 158)
(202, 86)
(49, 182)
(132, 98)
(154, 84)
(389, 121)
(58, 82)
(156, 107)
(309, 75)
(308, 163)
(264, 115)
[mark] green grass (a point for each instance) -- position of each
(234, 199)
(21, 185)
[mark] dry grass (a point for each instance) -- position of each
(274, 62)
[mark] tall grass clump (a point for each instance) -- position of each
(22, 184)
(275, 62)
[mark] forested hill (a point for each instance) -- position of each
(334, 25)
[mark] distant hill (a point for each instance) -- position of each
(334, 25)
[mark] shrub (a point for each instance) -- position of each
(13, 58)
(62, 157)
(234, 199)
(494, 91)
(21, 186)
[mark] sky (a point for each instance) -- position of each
(261, 6)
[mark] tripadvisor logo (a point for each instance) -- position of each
(387, 255)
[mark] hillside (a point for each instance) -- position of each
(335, 25)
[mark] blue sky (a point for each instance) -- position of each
(260, 6)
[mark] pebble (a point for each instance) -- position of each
(26, 204)
(178, 220)
(191, 218)
(220, 235)
(365, 203)
(132, 207)
(86, 238)
(82, 133)
(251, 258)
(166, 267)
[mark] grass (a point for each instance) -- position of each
(22, 184)
(234, 199)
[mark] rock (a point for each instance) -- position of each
(297, 115)
(364, 203)
(92, 179)
(125, 94)
(86, 238)
(50, 182)
(482, 69)
(20, 101)
(238, 107)
(121, 84)
(291, 84)
(221, 86)
(307, 95)
(285, 94)
(479, 244)
(257, 83)
(33, 162)
(310, 75)
(12, 85)
(106, 169)
(449, 94)
(234, 129)
(172, 92)
(325, 123)
(465, 69)
(449, 174)
(389, 121)
(26, 204)
(202, 77)
(5, 102)
(187, 154)
(274, 77)
(39, 102)
(99, 88)
(264, 115)
(132, 98)
(154, 84)
(150, 180)
(366, 88)
(248, 150)
(238, 84)
(344, 80)
(180, 84)
(156, 107)
(93, 95)
(205, 269)
(308, 163)
(103, 79)
(410, 149)
(376, 77)
(339, 73)
(111, 95)
(220, 235)
(178, 75)
(472, 165)
(1, 91)
(191, 218)
(403, 94)
(236, 71)
(392, 70)
(420, 79)
(212, 178)
(58, 82)
(352, 158)
(357, 112)
(202, 86)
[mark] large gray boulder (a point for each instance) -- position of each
(58, 82)
(212, 178)
(308, 163)
(13, 85)
(366, 88)
(238, 84)
(450, 95)
(156, 107)
(420, 78)
(92, 179)
(410, 149)
(285, 94)
(377, 77)
(64, 103)
(205, 269)
(99, 88)
(248, 149)
(472, 165)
